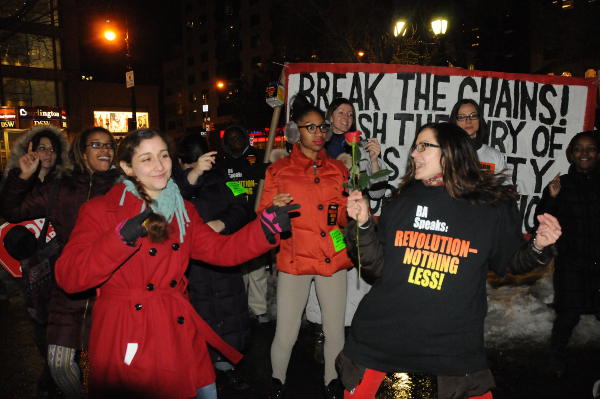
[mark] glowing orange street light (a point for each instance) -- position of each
(110, 35)
(360, 54)
(220, 85)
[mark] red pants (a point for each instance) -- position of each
(372, 380)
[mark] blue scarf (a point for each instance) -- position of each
(168, 204)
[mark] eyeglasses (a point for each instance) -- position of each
(420, 147)
(312, 128)
(44, 149)
(96, 145)
(474, 116)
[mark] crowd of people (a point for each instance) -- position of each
(163, 254)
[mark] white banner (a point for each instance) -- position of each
(531, 118)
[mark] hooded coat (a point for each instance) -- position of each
(21, 146)
(58, 199)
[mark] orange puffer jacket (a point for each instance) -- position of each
(318, 186)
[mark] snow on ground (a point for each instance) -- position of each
(519, 312)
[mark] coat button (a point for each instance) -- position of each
(320, 207)
(180, 320)
(150, 287)
(323, 234)
(175, 246)
(138, 306)
(173, 283)
(327, 260)
(152, 251)
(317, 180)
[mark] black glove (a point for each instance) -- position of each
(276, 219)
(133, 229)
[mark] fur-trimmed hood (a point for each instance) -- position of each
(21, 145)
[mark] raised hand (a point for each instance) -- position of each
(374, 149)
(28, 163)
(357, 207)
(554, 186)
(548, 232)
(204, 163)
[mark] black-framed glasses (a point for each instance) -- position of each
(44, 149)
(312, 128)
(96, 145)
(420, 147)
(472, 117)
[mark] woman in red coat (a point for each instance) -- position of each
(146, 339)
(316, 249)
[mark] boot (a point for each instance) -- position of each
(333, 390)
(277, 389)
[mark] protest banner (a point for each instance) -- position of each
(531, 118)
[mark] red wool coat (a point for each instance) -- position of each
(142, 315)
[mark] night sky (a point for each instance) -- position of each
(153, 29)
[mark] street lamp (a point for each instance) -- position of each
(111, 35)
(220, 84)
(439, 26)
(400, 28)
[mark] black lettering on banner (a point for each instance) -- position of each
(564, 106)
(554, 130)
(391, 156)
(489, 99)
(527, 101)
(356, 92)
(515, 162)
(544, 90)
(516, 97)
(437, 79)
(336, 92)
(442, 118)
(370, 91)
(304, 90)
(422, 95)
(379, 130)
(497, 141)
(363, 119)
(526, 209)
(505, 100)
(539, 172)
(322, 90)
(514, 132)
(404, 77)
(376, 204)
(403, 118)
(544, 133)
(419, 120)
(467, 82)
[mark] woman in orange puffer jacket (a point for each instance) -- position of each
(315, 250)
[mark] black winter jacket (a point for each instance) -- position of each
(69, 315)
(577, 273)
(218, 294)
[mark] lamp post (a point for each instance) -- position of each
(111, 35)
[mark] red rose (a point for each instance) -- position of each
(353, 138)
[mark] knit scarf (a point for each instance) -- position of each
(168, 204)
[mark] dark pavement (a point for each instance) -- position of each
(520, 372)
